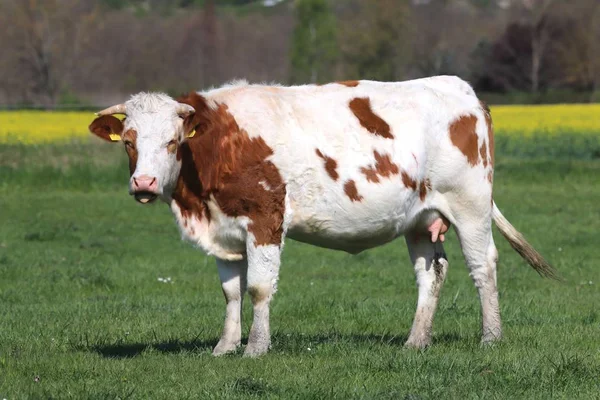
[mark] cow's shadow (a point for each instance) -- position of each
(130, 350)
(286, 343)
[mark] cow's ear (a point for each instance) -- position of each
(189, 125)
(107, 127)
(194, 118)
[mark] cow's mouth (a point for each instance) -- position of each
(145, 197)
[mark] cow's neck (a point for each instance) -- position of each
(189, 193)
(196, 177)
(198, 214)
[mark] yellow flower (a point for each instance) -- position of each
(52, 126)
(43, 126)
(547, 119)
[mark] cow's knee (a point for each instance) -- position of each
(261, 293)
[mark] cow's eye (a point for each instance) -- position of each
(172, 146)
(128, 144)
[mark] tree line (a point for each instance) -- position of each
(95, 52)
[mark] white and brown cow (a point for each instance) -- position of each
(348, 166)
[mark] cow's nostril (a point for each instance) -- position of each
(144, 183)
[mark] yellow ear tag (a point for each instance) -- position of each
(114, 137)
(192, 133)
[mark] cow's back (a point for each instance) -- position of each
(358, 160)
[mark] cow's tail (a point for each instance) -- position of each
(518, 242)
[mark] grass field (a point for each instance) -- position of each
(83, 313)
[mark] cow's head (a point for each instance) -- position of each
(152, 131)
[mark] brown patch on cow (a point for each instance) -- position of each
(422, 191)
(383, 167)
(130, 140)
(351, 191)
(106, 125)
(490, 129)
(222, 162)
(199, 119)
(408, 181)
(370, 174)
(188, 193)
(349, 83)
(490, 178)
(361, 107)
(483, 154)
(424, 187)
(464, 136)
(330, 165)
(491, 145)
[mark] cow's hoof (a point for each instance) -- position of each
(224, 347)
(256, 349)
(491, 338)
(491, 335)
(421, 343)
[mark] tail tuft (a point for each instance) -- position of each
(521, 246)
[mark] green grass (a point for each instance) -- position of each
(565, 145)
(83, 315)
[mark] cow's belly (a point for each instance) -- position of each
(351, 242)
(352, 227)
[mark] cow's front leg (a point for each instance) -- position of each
(233, 283)
(263, 272)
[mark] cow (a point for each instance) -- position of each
(348, 166)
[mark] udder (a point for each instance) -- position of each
(438, 228)
(431, 225)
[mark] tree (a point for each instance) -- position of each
(578, 53)
(45, 40)
(541, 25)
(445, 34)
(314, 45)
(545, 45)
(374, 42)
(594, 50)
(210, 49)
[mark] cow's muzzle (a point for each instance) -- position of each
(145, 188)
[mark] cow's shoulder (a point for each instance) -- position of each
(233, 169)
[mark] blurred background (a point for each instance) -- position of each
(86, 53)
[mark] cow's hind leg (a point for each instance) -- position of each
(233, 283)
(479, 250)
(431, 265)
